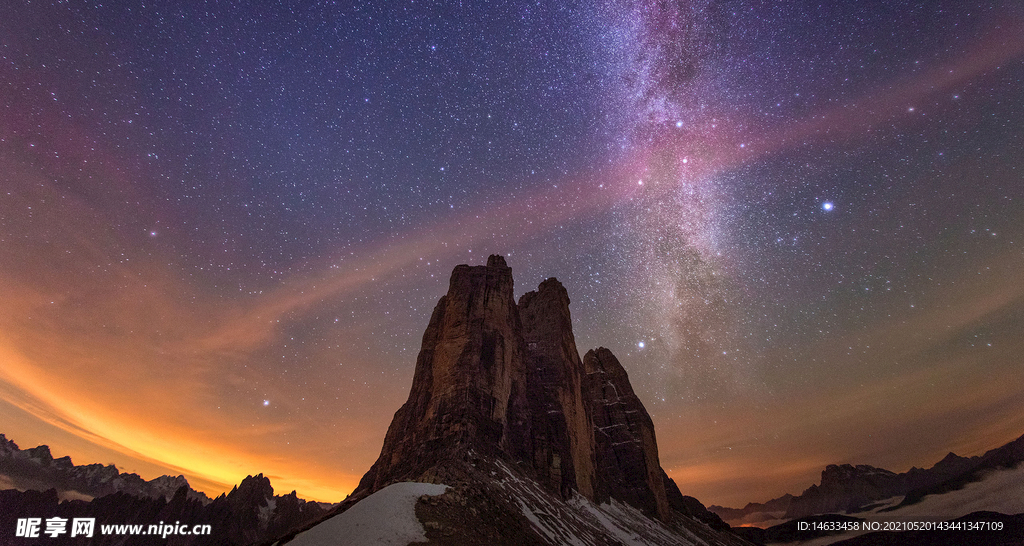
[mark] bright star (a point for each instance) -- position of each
(641, 344)
(266, 403)
(827, 206)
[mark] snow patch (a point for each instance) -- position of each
(267, 511)
(387, 517)
(630, 526)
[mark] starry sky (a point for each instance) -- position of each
(224, 225)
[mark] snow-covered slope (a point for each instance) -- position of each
(386, 517)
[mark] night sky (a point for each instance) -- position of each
(224, 225)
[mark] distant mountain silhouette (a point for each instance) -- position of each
(847, 488)
(249, 514)
(35, 468)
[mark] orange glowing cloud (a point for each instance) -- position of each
(107, 350)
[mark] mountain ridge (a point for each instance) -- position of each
(36, 468)
(847, 488)
(55, 487)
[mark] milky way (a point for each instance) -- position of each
(798, 226)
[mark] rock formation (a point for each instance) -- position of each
(627, 452)
(500, 386)
(561, 430)
(469, 373)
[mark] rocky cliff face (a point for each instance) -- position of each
(498, 379)
(468, 387)
(561, 431)
(627, 451)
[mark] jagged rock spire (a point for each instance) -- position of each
(562, 433)
(626, 448)
(470, 360)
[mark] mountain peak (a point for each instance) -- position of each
(495, 260)
(560, 431)
(627, 451)
(503, 381)
(469, 376)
